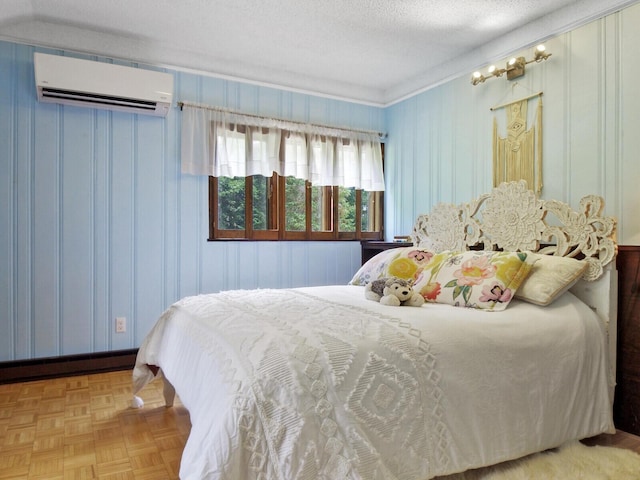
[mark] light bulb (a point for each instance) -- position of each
(540, 53)
(477, 78)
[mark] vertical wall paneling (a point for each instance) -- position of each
(586, 111)
(419, 173)
(8, 129)
(194, 231)
(229, 269)
(188, 185)
(562, 143)
(590, 100)
(121, 226)
(264, 259)
(46, 181)
(171, 197)
(434, 120)
(445, 154)
(463, 176)
(149, 215)
(269, 102)
(249, 265)
(611, 152)
(407, 174)
(77, 236)
(298, 270)
(215, 269)
(400, 161)
(22, 224)
(100, 223)
(629, 88)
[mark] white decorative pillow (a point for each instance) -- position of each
(484, 280)
(550, 277)
(404, 262)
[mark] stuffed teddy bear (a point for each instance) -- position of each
(393, 291)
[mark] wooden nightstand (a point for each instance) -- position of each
(626, 407)
(370, 248)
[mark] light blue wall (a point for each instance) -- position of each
(440, 142)
(98, 222)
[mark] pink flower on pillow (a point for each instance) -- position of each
(495, 293)
(475, 271)
(420, 256)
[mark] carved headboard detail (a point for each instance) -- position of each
(513, 218)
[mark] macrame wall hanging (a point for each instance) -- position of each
(518, 156)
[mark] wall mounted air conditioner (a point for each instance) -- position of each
(84, 83)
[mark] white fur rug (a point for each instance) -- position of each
(573, 461)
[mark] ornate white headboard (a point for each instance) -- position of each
(513, 218)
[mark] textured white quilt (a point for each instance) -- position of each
(319, 383)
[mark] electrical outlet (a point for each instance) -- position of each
(121, 324)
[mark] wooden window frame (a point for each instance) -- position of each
(276, 216)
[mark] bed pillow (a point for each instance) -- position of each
(485, 280)
(404, 262)
(550, 277)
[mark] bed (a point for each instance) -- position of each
(512, 353)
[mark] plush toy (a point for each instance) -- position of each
(393, 291)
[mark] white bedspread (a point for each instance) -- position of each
(319, 383)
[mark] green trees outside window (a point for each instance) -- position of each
(287, 208)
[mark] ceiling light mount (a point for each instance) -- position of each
(515, 67)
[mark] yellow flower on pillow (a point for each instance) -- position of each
(402, 268)
(510, 270)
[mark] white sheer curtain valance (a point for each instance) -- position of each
(227, 144)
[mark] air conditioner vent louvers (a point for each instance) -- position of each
(85, 83)
(94, 98)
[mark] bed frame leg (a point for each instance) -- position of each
(169, 392)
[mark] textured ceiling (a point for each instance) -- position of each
(370, 51)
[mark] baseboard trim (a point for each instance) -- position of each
(66, 366)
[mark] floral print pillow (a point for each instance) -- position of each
(485, 280)
(404, 262)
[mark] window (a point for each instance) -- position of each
(289, 208)
(273, 179)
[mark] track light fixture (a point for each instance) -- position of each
(514, 69)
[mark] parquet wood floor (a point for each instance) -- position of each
(82, 428)
(79, 428)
